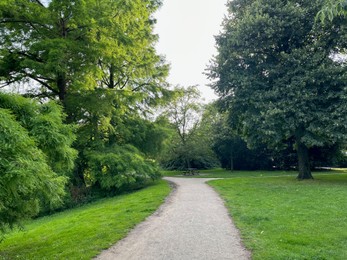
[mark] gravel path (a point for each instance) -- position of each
(192, 224)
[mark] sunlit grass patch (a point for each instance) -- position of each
(83, 232)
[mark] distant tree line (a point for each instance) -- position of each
(211, 142)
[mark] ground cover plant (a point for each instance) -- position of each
(283, 218)
(83, 232)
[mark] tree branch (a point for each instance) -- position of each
(39, 2)
(42, 83)
(7, 83)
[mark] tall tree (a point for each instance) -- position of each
(184, 115)
(278, 72)
(66, 47)
(190, 122)
(98, 58)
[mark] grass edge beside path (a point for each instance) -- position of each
(283, 218)
(82, 233)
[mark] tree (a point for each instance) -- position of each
(190, 144)
(98, 58)
(66, 47)
(277, 71)
(35, 158)
(233, 152)
(117, 145)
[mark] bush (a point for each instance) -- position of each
(26, 180)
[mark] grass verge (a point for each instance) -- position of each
(84, 232)
(221, 173)
(282, 218)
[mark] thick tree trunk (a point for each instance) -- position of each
(303, 161)
(62, 94)
(62, 86)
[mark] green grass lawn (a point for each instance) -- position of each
(283, 218)
(83, 232)
(221, 173)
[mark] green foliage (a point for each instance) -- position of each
(190, 124)
(278, 73)
(233, 152)
(117, 145)
(44, 123)
(226, 174)
(82, 233)
(69, 46)
(99, 59)
(281, 218)
(35, 158)
(26, 179)
(119, 167)
(332, 9)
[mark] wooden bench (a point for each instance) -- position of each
(191, 172)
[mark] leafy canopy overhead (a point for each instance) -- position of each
(68, 46)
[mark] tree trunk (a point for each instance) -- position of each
(112, 84)
(303, 161)
(62, 93)
(62, 86)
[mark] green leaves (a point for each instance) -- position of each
(45, 126)
(26, 179)
(119, 167)
(98, 58)
(276, 73)
(332, 9)
(35, 158)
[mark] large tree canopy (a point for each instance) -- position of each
(98, 58)
(280, 74)
(190, 124)
(71, 46)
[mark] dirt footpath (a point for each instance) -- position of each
(192, 224)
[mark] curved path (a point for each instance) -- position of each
(192, 224)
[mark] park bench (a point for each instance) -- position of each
(191, 172)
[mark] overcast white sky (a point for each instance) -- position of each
(186, 30)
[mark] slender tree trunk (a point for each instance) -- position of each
(303, 161)
(112, 84)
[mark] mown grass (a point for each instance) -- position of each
(83, 232)
(283, 218)
(221, 173)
